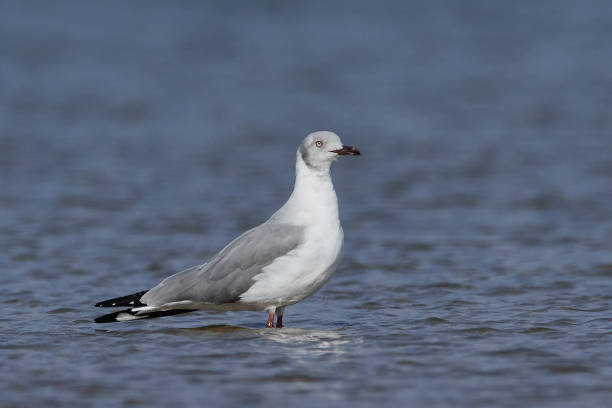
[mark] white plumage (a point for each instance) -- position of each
(276, 264)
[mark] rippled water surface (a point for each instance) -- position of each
(137, 138)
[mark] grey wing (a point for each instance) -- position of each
(229, 273)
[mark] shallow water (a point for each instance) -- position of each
(138, 138)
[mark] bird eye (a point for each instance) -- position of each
(318, 143)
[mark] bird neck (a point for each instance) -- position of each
(313, 198)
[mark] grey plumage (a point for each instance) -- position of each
(230, 273)
(277, 264)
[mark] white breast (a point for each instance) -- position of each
(300, 273)
(297, 275)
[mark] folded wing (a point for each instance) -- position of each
(229, 273)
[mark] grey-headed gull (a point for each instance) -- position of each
(274, 265)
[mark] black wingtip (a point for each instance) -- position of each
(132, 300)
(112, 317)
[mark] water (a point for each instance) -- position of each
(138, 138)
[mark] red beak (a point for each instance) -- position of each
(347, 151)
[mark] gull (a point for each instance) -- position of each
(274, 265)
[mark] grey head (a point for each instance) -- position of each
(320, 149)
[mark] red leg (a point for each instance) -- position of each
(270, 322)
(280, 311)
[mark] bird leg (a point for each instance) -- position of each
(270, 322)
(279, 317)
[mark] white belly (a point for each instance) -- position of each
(298, 274)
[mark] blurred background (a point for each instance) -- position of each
(138, 138)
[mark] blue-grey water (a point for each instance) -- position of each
(137, 138)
